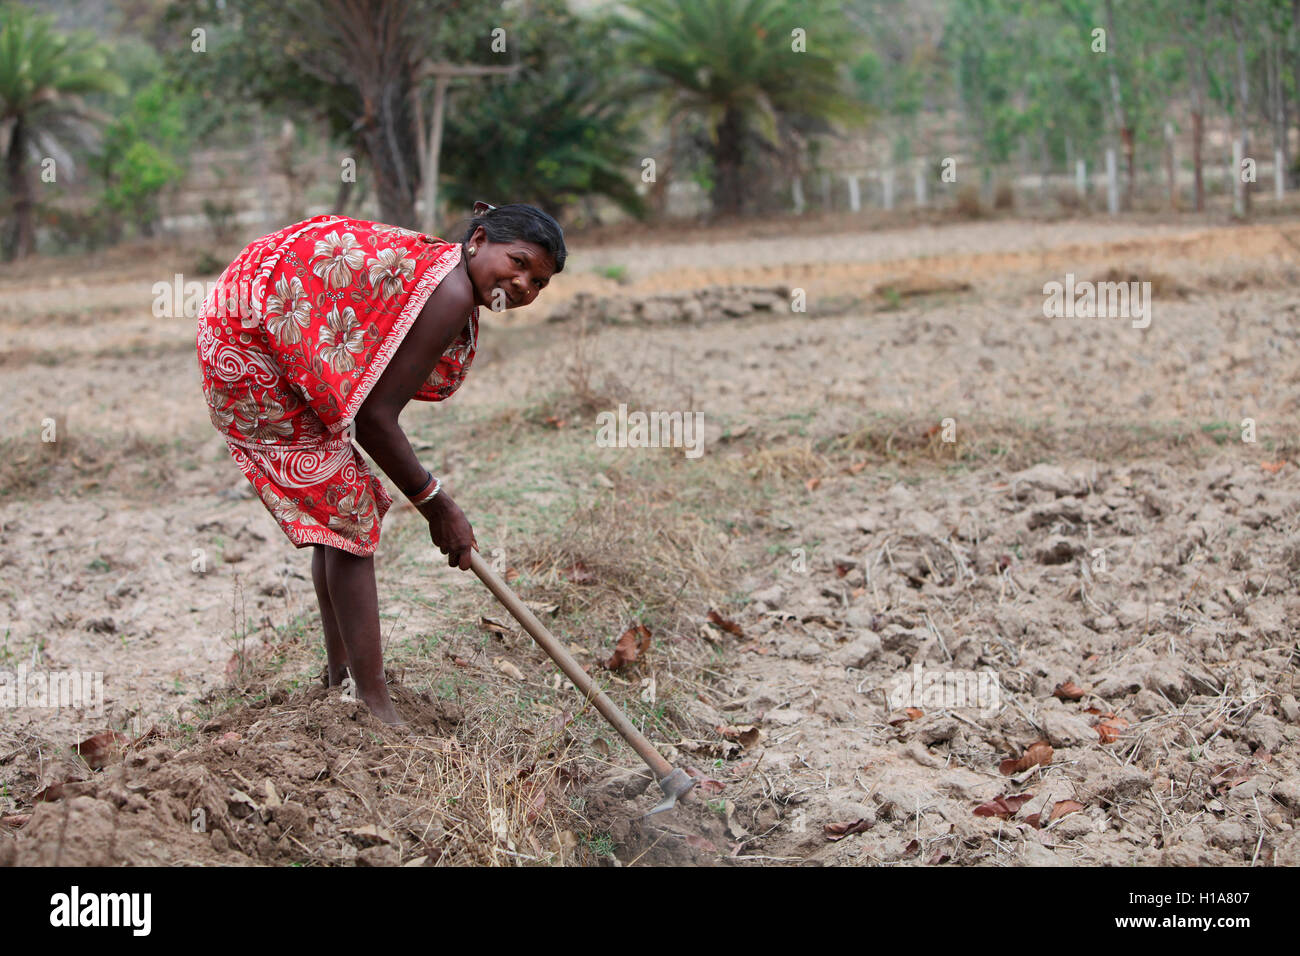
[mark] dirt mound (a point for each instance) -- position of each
(309, 778)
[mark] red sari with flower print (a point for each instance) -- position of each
(293, 337)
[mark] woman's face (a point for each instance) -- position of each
(506, 275)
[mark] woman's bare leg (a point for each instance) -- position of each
(336, 655)
(350, 581)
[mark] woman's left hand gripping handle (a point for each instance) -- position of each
(449, 530)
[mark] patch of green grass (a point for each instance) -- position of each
(601, 844)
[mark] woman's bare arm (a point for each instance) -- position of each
(439, 322)
(442, 319)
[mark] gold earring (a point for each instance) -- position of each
(471, 250)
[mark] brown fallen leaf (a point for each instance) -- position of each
(554, 421)
(496, 627)
(1003, 806)
(699, 843)
(746, 736)
(536, 805)
(731, 627)
(15, 820)
(55, 791)
(633, 642)
(1037, 753)
(1109, 728)
(838, 831)
(507, 668)
(578, 573)
(1069, 691)
(705, 784)
(101, 749)
(812, 484)
(938, 858)
(1064, 808)
(1229, 776)
(1034, 820)
(1272, 467)
(910, 713)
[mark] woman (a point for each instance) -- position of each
(321, 333)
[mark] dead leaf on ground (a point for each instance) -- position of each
(706, 785)
(1037, 753)
(507, 668)
(909, 713)
(838, 831)
(699, 843)
(812, 484)
(1109, 728)
(731, 627)
(746, 735)
(496, 627)
(578, 573)
(1229, 776)
(1272, 467)
(1003, 807)
(634, 642)
(101, 749)
(1069, 691)
(536, 805)
(1064, 808)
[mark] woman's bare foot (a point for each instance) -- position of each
(381, 705)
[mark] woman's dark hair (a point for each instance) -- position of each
(519, 222)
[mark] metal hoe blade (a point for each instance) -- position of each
(675, 786)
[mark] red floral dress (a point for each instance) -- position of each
(292, 339)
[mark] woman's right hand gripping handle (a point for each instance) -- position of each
(449, 529)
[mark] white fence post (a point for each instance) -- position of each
(1112, 183)
(1238, 187)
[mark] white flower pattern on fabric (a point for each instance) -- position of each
(288, 311)
(336, 258)
(341, 339)
(388, 270)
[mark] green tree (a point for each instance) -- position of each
(140, 154)
(742, 66)
(553, 134)
(44, 76)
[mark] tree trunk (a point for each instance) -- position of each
(1198, 172)
(20, 236)
(1295, 64)
(388, 138)
(1243, 107)
(1117, 105)
(727, 192)
(380, 62)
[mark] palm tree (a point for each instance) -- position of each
(43, 75)
(733, 63)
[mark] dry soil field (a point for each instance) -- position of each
(1097, 536)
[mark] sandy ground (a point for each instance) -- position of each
(1126, 540)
